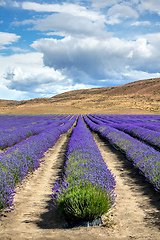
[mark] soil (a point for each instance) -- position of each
(135, 216)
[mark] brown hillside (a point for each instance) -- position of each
(140, 97)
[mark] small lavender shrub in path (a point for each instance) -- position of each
(86, 190)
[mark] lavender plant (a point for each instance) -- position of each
(86, 190)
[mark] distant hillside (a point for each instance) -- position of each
(139, 97)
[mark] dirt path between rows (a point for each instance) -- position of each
(137, 211)
(136, 215)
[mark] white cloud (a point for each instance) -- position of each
(26, 71)
(103, 3)
(141, 23)
(68, 24)
(9, 3)
(55, 34)
(67, 19)
(24, 22)
(8, 94)
(120, 11)
(23, 76)
(73, 9)
(19, 50)
(150, 5)
(7, 38)
(28, 61)
(138, 75)
(16, 4)
(31, 81)
(153, 63)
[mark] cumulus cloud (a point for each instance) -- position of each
(26, 77)
(41, 82)
(26, 81)
(7, 38)
(91, 60)
(29, 74)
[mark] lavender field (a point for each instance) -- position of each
(86, 189)
(137, 136)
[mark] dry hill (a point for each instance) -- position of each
(140, 97)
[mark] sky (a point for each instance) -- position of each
(48, 47)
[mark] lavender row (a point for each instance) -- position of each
(144, 157)
(146, 135)
(86, 190)
(24, 157)
(151, 122)
(10, 123)
(13, 123)
(136, 118)
(13, 137)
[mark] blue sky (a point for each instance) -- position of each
(49, 47)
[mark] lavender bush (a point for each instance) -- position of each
(86, 190)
